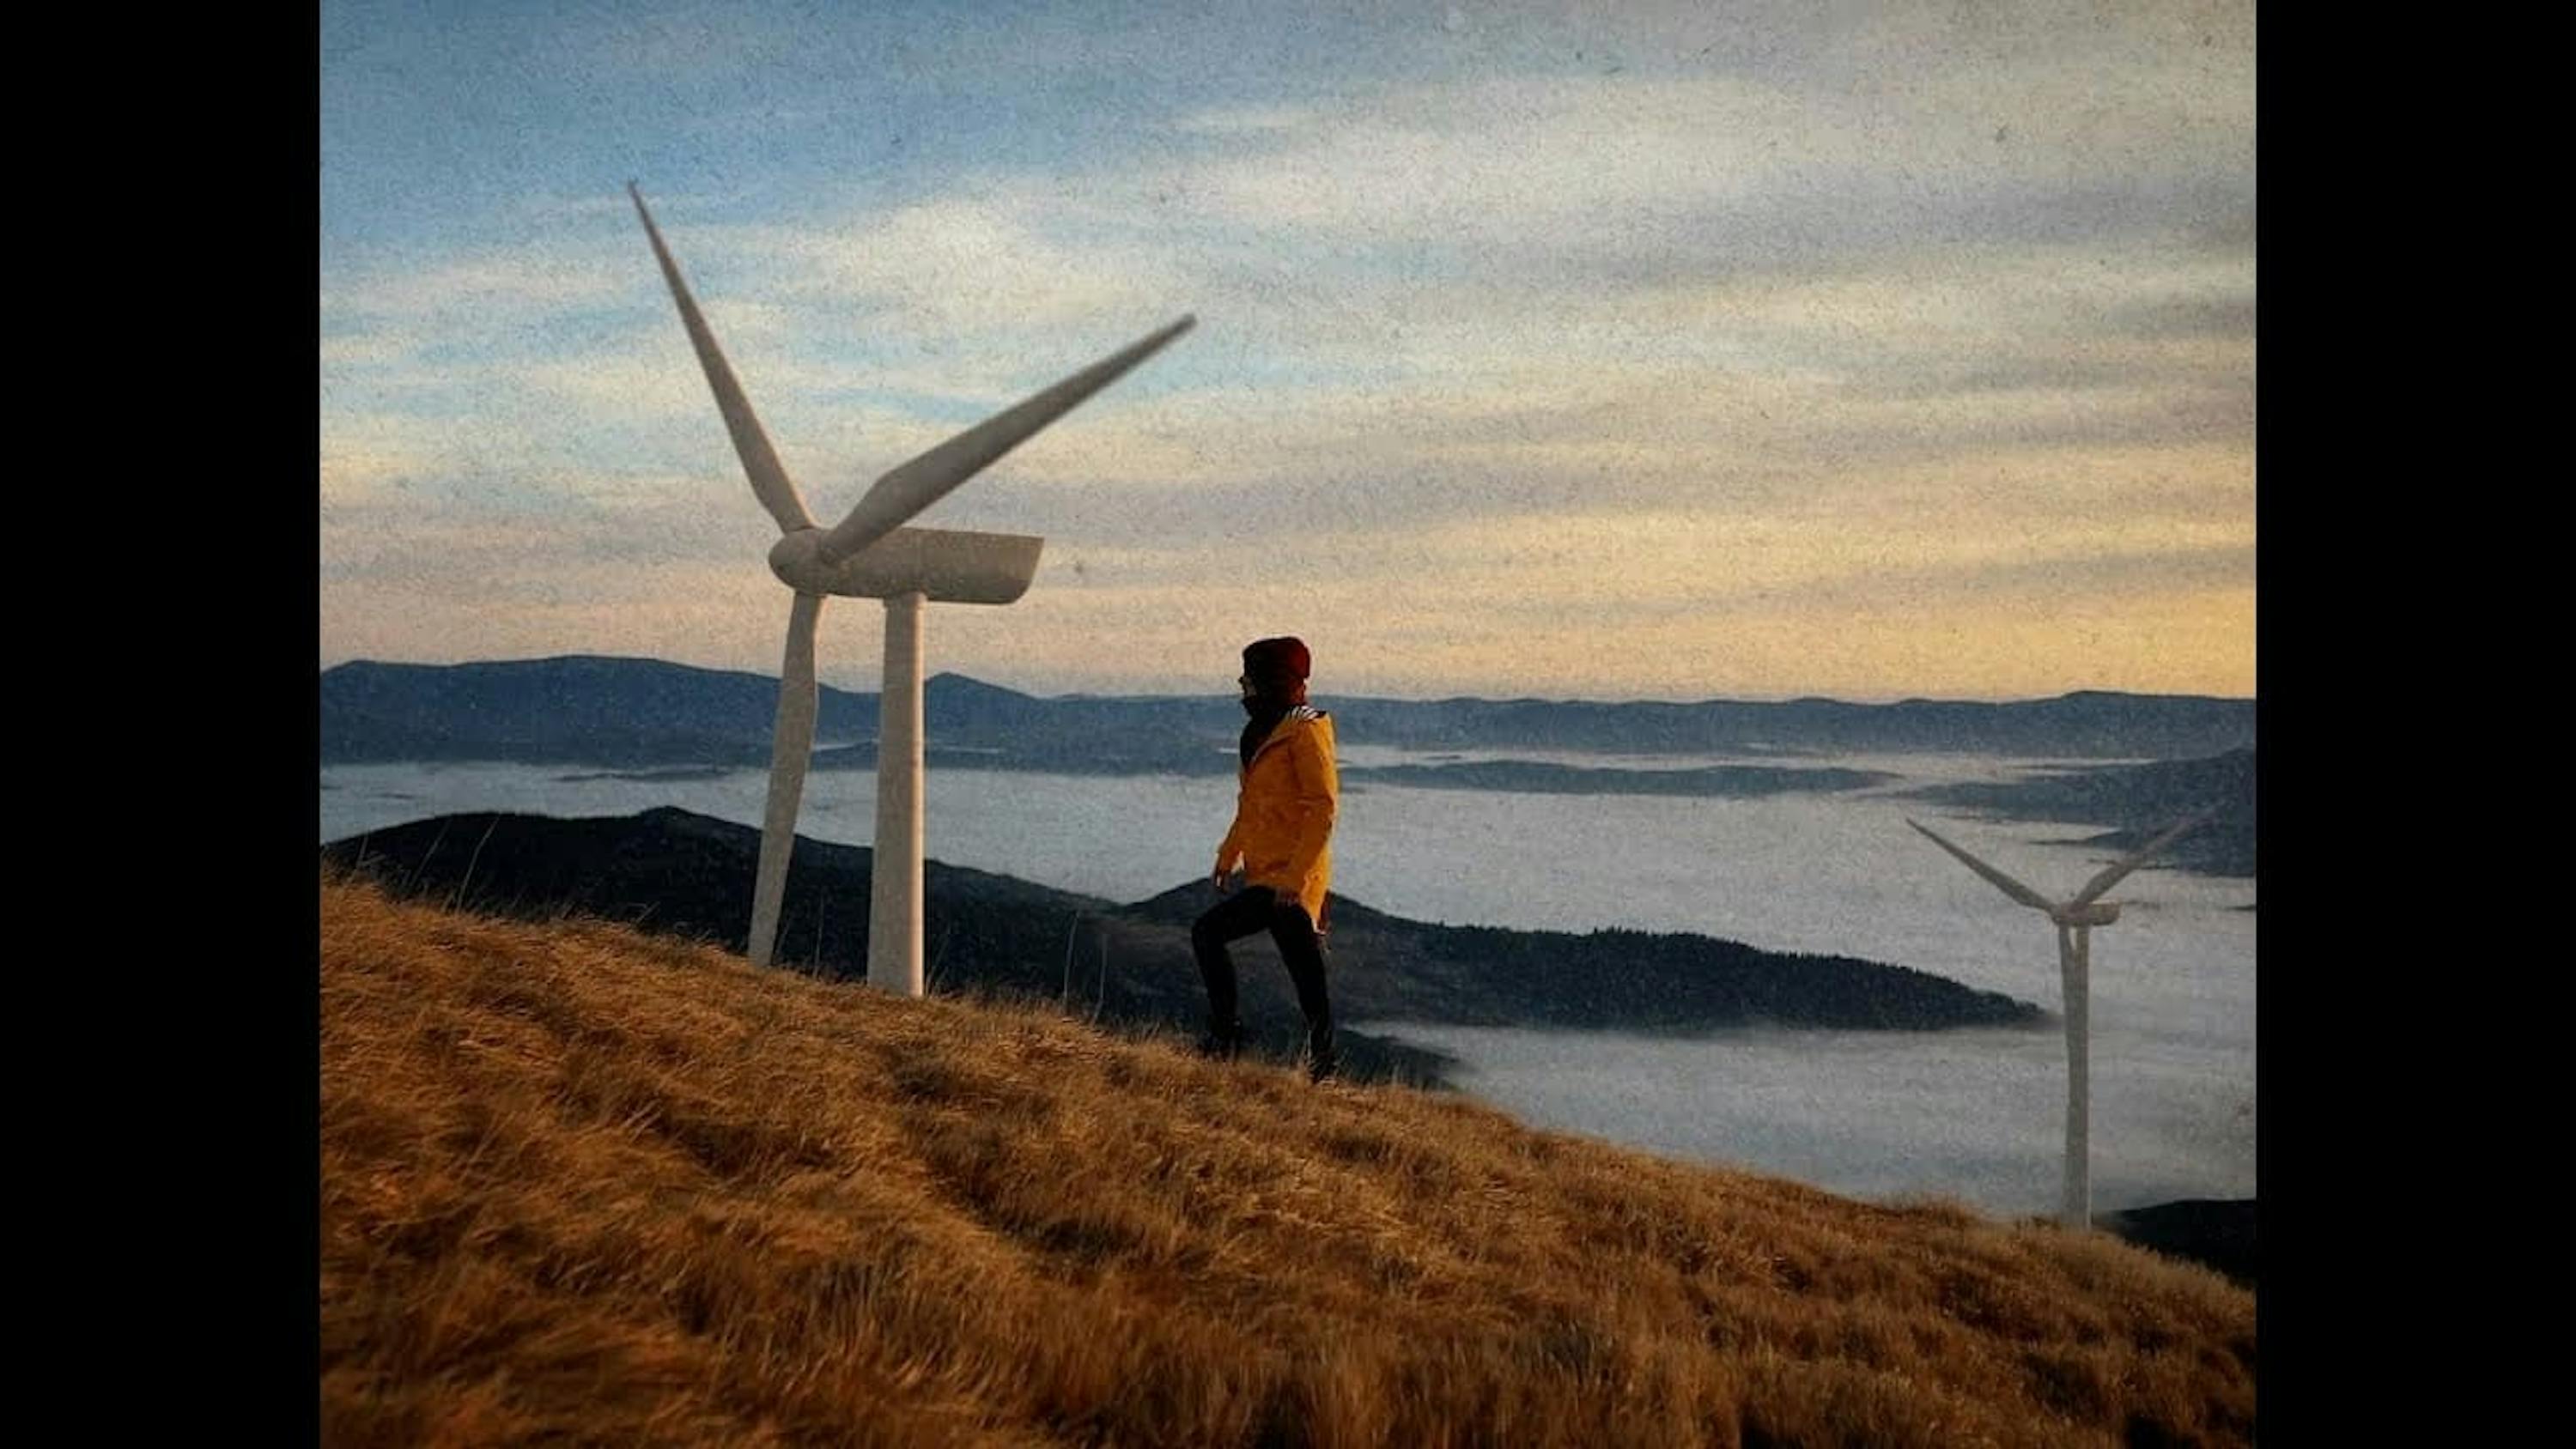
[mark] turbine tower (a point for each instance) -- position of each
(871, 555)
(2075, 917)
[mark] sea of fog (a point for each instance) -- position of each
(1972, 1115)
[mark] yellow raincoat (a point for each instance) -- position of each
(1284, 810)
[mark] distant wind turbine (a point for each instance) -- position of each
(871, 555)
(2075, 917)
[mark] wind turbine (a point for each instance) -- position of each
(871, 555)
(2076, 917)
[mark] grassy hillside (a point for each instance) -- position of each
(581, 1184)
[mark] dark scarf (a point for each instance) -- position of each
(1267, 709)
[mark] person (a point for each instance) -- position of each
(1287, 797)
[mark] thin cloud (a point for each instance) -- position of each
(1809, 323)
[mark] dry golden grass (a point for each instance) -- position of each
(585, 1185)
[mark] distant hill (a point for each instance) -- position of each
(2141, 800)
(583, 1185)
(669, 869)
(575, 710)
(2090, 724)
(640, 713)
(1531, 777)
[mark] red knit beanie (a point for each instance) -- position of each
(1283, 658)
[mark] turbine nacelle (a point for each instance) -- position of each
(945, 566)
(2096, 913)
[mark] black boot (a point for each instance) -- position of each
(1323, 1059)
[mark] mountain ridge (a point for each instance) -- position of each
(622, 711)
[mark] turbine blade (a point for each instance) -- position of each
(2003, 882)
(769, 481)
(915, 485)
(2111, 874)
(790, 751)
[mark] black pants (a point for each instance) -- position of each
(1259, 908)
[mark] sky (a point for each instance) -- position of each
(1599, 351)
